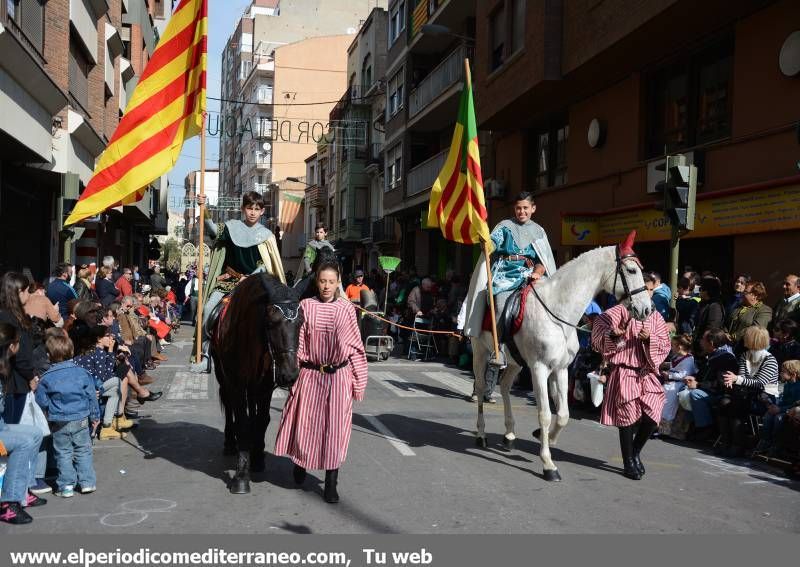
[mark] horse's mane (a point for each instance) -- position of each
(243, 342)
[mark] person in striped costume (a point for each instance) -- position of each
(318, 416)
(634, 397)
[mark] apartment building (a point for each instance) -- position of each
(215, 210)
(424, 78)
(65, 75)
(584, 99)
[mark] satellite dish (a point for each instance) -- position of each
(267, 146)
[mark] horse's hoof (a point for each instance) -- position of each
(240, 486)
(552, 475)
(229, 450)
(537, 434)
(257, 464)
(481, 442)
(508, 444)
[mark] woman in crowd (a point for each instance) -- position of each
(749, 390)
(674, 378)
(20, 442)
(710, 314)
(13, 296)
(752, 311)
(107, 292)
(83, 285)
(317, 419)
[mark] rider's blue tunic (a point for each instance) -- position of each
(508, 275)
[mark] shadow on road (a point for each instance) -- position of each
(423, 433)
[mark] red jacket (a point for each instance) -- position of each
(124, 286)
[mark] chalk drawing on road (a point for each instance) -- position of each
(397, 385)
(188, 386)
(721, 467)
(136, 512)
(401, 446)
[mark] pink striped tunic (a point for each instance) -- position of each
(633, 388)
(317, 418)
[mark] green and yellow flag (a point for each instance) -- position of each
(457, 205)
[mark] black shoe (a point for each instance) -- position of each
(331, 479)
(132, 414)
(151, 398)
(12, 513)
(299, 474)
(33, 500)
(638, 463)
(630, 470)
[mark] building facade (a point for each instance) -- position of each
(215, 209)
(65, 75)
(584, 100)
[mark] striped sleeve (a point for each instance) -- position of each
(301, 347)
(355, 348)
(601, 342)
(767, 374)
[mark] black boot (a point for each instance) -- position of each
(331, 479)
(299, 474)
(646, 428)
(626, 445)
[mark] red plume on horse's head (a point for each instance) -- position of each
(626, 248)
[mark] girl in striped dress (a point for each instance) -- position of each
(317, 419)
(634, 397)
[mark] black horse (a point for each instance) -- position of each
(254, 350)
(307, 287)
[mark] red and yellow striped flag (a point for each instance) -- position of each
(457, 205)
(166, 109)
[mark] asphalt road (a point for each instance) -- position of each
(412, 468)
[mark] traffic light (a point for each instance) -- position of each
(680, 189)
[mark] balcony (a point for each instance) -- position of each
(446, 74)
(421, 177)
(262, 188)
(383, 230)
(353, 95)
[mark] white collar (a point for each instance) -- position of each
(792, 298)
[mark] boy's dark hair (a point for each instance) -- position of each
(61, 269)
(525, 196)
(84, 336)
(718, 338)
(251, 198)
(788, 327)
(684, 283)
(320, 225)
(59, 348)
(711, 286)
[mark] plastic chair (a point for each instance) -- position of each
(422, 343)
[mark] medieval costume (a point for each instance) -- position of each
(634, 397)
(309, 255)
(317, 419)
(240, 250)
(518, 247)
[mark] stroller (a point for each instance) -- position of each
(374, 332)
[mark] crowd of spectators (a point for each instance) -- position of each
(74, 356)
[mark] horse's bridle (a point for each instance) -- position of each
(618, 273)
(290, 310)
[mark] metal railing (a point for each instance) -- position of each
(446, 74)
(375, 158)
(383, 230)
(421, 177)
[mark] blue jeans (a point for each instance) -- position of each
(22, 443)
(72, 444)
(112, 393)
(701, 407)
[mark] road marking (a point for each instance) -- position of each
(397, 385)
(453, 382)
(721, 467)
(419, 365)
(401, 446)
(188, 386)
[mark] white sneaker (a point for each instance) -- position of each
(164, 342)
(88, 489)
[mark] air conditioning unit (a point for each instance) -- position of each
(695, 157)
(495, 188)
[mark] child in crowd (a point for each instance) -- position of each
(673, 377)
(788, 401)
(67, 393)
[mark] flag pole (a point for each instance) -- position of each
(201, 255)
(486, 254)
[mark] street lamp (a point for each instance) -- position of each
(298, 180)
(438, 29)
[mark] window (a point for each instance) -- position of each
(362, 203)
(518, 9)
(265, 94)
(394, 166)
(78, 75)
(689, 102)
(497, 39)
(395, 94)
(342, 207)
(397, 21)
(549, 163)
(28, 15)
(245, 69)
(265, 127)
(366, 72)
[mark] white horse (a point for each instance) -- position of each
(548, 345)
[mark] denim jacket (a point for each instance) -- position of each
(67, 392)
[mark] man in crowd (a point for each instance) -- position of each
(353, 291)
(123, 284)
(59, 291)
(662, 295)
(789, 306)
(157, 281)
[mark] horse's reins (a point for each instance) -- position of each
(290, 310)
(617, 274)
